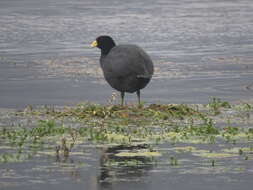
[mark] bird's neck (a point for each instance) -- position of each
(107, 48)
(102, 57)
(104, 52)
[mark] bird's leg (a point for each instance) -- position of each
(139, 96)
(122, 98)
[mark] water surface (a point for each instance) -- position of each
(200, 49)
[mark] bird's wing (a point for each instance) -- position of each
(125, 60)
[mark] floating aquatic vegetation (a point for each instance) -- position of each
(217, 155)
(138, 154)
(181, 137)
(216, 105)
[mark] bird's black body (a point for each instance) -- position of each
(127, 68)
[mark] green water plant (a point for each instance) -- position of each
(216, 104)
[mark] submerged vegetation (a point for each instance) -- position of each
(175, 135)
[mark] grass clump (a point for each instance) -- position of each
(216, 105)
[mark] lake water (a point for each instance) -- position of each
(201, 49)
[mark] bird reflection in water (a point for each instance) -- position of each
(115, 168)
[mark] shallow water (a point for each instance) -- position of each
(200, 49)
(93, 165)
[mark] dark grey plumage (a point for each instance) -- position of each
(127, 68)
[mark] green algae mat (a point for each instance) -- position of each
(185, 139)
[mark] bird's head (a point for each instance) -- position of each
(105, 43)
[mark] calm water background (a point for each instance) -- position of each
(200, 49)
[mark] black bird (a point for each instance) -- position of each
(127, 68)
